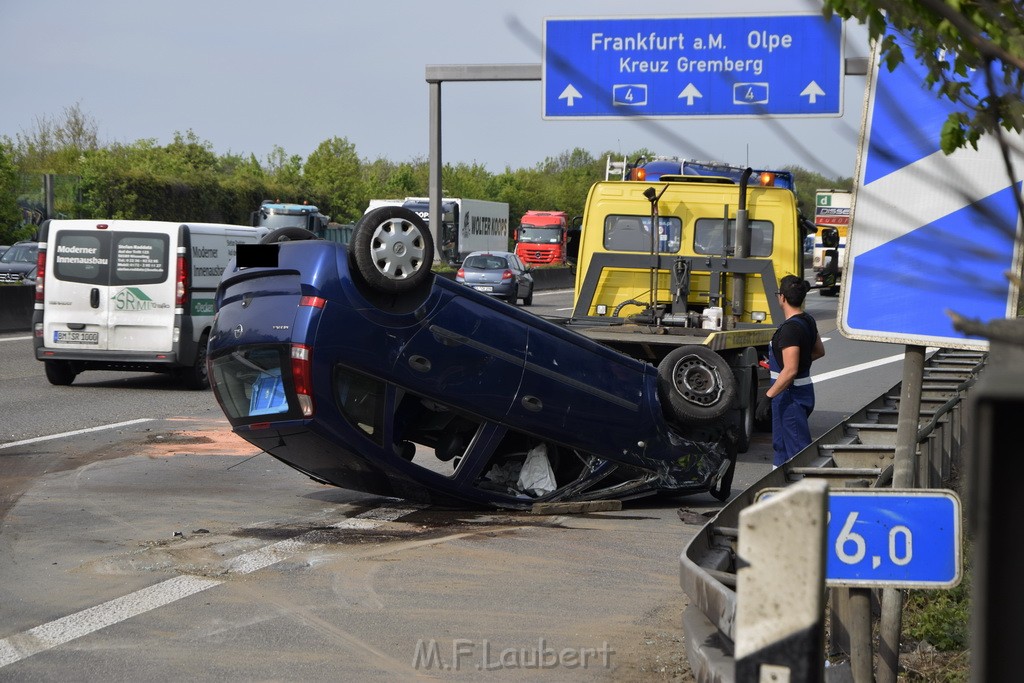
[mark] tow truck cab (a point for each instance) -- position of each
(700, 257)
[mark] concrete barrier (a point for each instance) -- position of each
(16, 308)
(16, 300)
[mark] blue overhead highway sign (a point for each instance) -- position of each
(700, 67)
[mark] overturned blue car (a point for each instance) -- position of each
(358, 366)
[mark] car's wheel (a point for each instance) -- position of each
(60, 372)
(528, 299)
(393, 249)
(289, 234)
(696, 385)
(196, 376)
(514, 296)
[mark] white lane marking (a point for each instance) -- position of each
(3, 339)
(856, 368)
(12, 444)
(64, 630)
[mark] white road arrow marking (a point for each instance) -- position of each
(570, 95)
(813, 91)
(689, 92)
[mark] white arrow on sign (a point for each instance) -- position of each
(570, 95)
(689, 92)
(812, 92)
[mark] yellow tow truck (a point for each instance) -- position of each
(683, 272)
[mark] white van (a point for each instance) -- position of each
(130, 295)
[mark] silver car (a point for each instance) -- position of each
(499, 274)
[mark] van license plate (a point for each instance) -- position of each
(76, 337)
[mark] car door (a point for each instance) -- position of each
(468, 353)
(580, 393)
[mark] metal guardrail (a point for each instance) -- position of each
(857, 452)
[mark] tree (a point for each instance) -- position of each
(333, 173)
(10, 216)
(56, 143)
(284, 169)
(954, 39)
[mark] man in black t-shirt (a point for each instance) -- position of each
(794, 346)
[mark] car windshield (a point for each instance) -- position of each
(283, 220)
(20, 253)
(488, 262)
(530, 233)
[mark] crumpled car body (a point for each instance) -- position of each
(441, 394)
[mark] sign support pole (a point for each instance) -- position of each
(903, 477)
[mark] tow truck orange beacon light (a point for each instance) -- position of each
(767, 179)
(638, 174)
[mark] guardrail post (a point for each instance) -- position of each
(891, 622)
(780, 586)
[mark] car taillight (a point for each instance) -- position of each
(461, 273)
(180, 289)
(302, 377)
(40, 274)
(507, 275)
(314, 301)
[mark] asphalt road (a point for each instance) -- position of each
(141, 540)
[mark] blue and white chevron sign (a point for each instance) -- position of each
(930, 233)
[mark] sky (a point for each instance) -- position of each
(247, 76)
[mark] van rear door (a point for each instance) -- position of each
(109, 289)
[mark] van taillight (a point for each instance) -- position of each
(181, 288)
(302, 377)
(40, 274)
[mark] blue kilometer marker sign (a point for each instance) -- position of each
(896, 538)
(701, 67)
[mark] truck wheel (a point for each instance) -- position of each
(393, 249)
(60, 373)
(196, 377)
(289, 234)
(746, 426)
(696, 385)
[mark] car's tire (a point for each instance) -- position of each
(696, 386)
(393, 249)
(289, 234)
(528, 299)
(514, 296)
(196, 377)
(60, 373)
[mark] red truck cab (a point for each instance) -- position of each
(541, 237)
